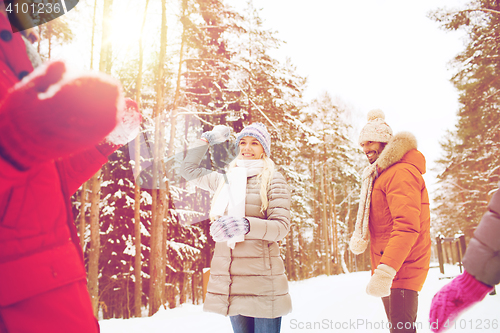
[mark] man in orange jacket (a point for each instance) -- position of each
(394, 208)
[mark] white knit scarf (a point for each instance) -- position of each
(360, 237)
(231, 198)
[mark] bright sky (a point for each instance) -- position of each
(383, 54)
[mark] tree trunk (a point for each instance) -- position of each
(104, 63)
(333, 210)
(173, 115)
(83, 202)
(164, 190)
(137, 237)
(290, 254)
(301, 262)
(348, 222)
(39, 40)
(155, 291)
(93, 282)
(157, 271)
(137, 189)
(95, 242)
(325, 223)
(49, 34)
(157, 274)
(316, 265)
(92, 39)
(84, 186)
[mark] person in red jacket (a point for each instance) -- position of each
(394, 215)
(52, 139)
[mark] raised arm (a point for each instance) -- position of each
(190, 168)
(49, 115)
(192, 172)
(78, 168)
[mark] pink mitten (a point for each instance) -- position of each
(51, 114)
(454, 298)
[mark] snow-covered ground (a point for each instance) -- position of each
(322, 304)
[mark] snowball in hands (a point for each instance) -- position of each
(129, 121)
(218, 134)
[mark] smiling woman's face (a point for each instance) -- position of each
(250, 148)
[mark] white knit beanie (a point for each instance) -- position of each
(377, 129)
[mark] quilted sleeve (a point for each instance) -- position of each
(277, 224)
(482, 258)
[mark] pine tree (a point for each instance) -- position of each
(334, 181)
(53, 34)
(471, 162)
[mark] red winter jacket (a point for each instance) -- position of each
(36, 250)
(14, 63)
(42, 274)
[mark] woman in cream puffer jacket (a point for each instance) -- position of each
(248, 281)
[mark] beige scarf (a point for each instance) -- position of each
(360, 237)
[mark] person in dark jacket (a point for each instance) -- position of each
(482, 272)
(52, 139)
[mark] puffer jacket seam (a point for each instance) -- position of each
(230, 282)
(265, 256)
(272, 282)
(265, 233)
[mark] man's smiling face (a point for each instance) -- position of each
(372, 150)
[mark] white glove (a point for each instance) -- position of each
(381, 281)
(218, 134)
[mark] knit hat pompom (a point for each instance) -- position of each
(376, 129)
(258, 131)
(375, 114)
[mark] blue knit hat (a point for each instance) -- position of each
(258, 131)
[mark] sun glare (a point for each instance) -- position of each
(125, 27)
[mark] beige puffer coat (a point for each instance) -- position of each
(249, 280)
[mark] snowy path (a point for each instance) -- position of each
(322, 304)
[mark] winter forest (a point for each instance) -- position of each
(193, 64)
